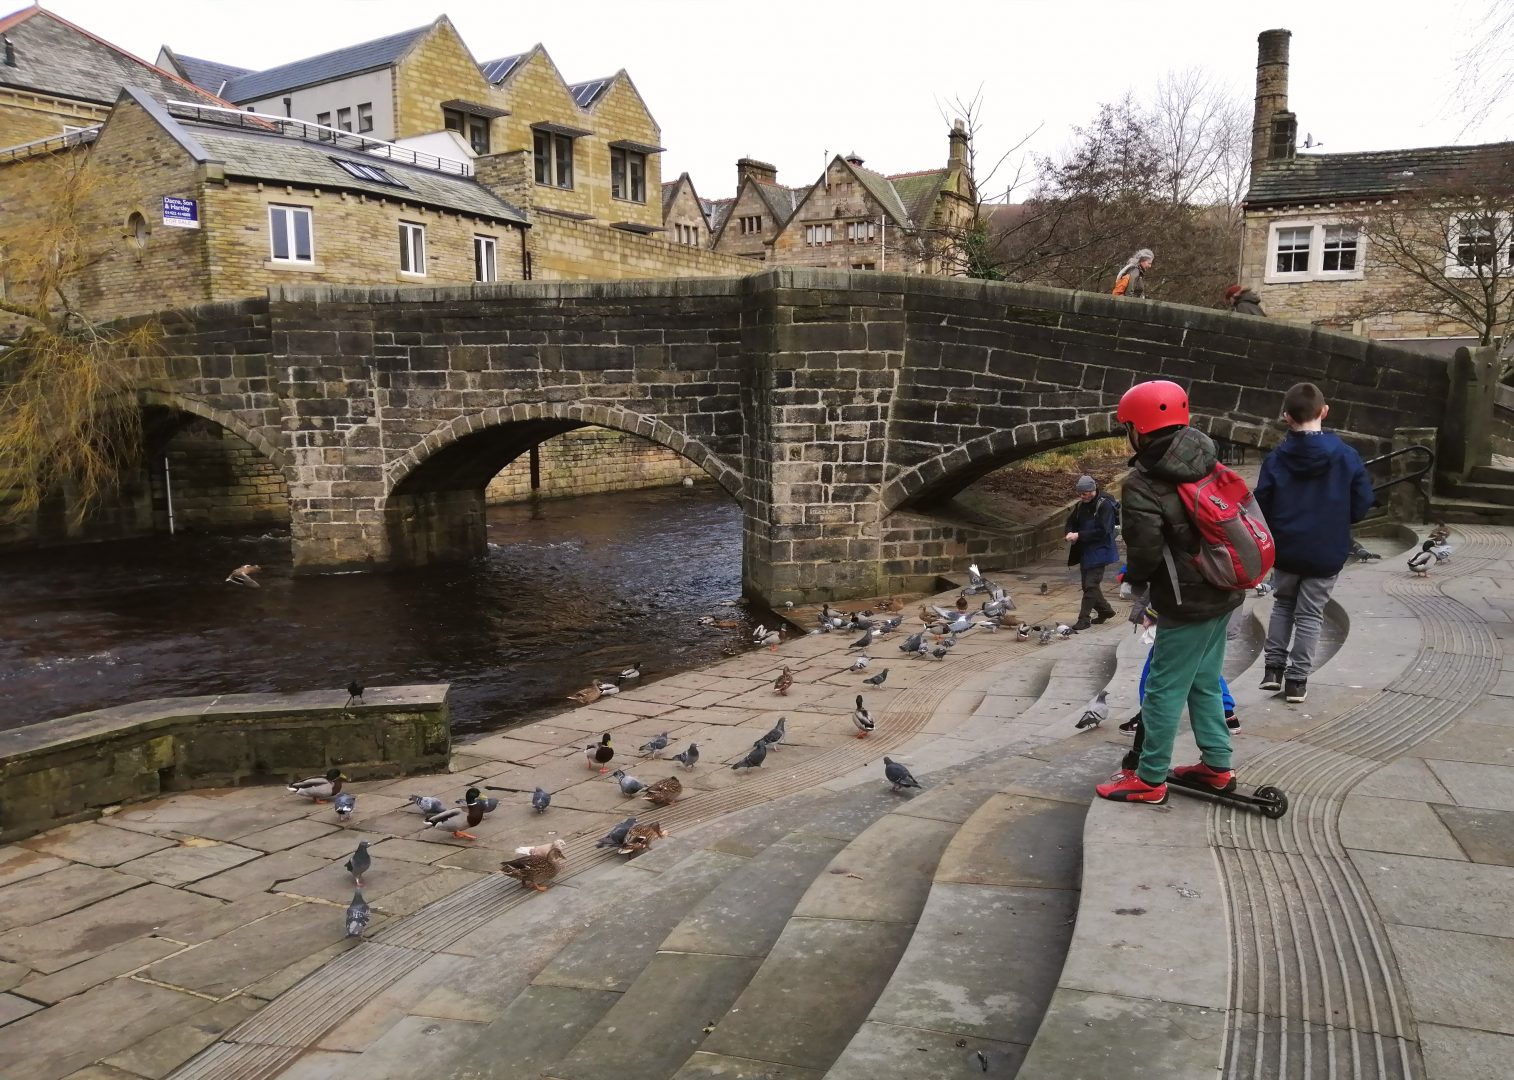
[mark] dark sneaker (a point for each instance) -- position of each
(1128, 787)
(1218, 779)
(1103, 617)
(1232, 721)
(1296, 691)
(1272, 679)
(1131, 726)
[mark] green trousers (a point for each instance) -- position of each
(1185, 670)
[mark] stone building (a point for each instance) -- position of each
(685, 216)
(1307, 246)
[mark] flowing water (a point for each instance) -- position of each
(569, 589)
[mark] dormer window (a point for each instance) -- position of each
(470, 126)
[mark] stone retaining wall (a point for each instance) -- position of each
(72, 768)
(219, 482)
(1503, 420)
(591, 461)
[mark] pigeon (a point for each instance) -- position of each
(940, 651)
(1065, 631)
(616, 836)
(1047, 633)
(913, 642)
(345, 804)
(1095, 712)
(862, 662)
(655, 747)
(974, 578)
(629, 785)
(1043, 588)
(877, 680)
(754, 757)
(784, 681)
(358, 865)
(1442, 552)
(428, 804)
(862, 719)
(690, 757)
(774, 737)
(759, 633)
(541, 798)
(1361, 554)
(1022, 632)
(354, 692)
(1263, 588)
(865, 640)
(898, 775)
(357, 915)
(632, 672)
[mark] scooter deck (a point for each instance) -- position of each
(1266, 800)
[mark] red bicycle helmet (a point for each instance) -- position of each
(1149, 406)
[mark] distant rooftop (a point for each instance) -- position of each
(313, 70)
(208, 74)
(587, 93)
(1312, 178)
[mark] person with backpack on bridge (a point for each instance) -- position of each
(1091, 532)
(1195, 541)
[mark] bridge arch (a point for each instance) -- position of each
(156, 397)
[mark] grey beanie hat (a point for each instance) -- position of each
(1086, 483)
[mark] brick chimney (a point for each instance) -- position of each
(760, 171)
(956, 156)
(1274, 130)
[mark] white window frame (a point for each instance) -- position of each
(412, 237)
(628, 175)
(290, 214)
(1315, 270)
(1503, 246)
(485, 258)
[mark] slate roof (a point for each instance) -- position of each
(338, 64)
(587, 93)
(1311, 178)
(783, 201)
(719, 210)
(55, 57)
(497, 71)
(918, 192)
(208, 74)
(882, 192)
(669, 193)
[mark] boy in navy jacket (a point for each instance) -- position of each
(1312, 489)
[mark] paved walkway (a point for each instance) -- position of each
(803, 920)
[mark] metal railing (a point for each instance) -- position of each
(51, 144)
(318, 133)
(1416, 477)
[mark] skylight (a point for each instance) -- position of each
(363, 171)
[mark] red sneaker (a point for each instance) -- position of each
(1128, 787)
(1219, 779)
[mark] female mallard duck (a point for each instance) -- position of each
(784, 681)
(461, 818)
(640, 837)
(587, 696)
(664, 792)
(320, 788)
(599, 756)
(538, 866)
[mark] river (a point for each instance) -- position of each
(569, 589)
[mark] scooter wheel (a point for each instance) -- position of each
(1271, 802)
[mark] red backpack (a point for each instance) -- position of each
(1236, 550)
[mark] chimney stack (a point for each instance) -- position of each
(956, 157)
(760, 171)
(1273, 127)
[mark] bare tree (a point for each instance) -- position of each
(1486, 85)
(1203, 134)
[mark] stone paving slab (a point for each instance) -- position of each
(288, 835)
(707, 1066)
(882, 876)
(258, 876)
(163, 1051)
(533, 1032)
(364, 1027)
(1487, 836)
(1089, 1036)
(1458, 980)
(124, 958)
(68, 939)
(888, 1050)
(1396, 825)
(19, 863)
(38, 899)
(1461, 1054)
(188, 862)
(96, 844)
(14, 1008)
(249, 953)
(1017, 840)
(218, 919)
(1470, 898)
(1486, 787)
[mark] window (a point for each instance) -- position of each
(1340, 248)
(628, 174)
(365, 116)
(344, 119)
(1475, 246)
(1293, 251)
(473, 128)
(686, 234)
(289, 234)
(864, 266)
(484, 248)
(750, 225)
(1313, 251)
(554, 159)
(818, 235)
(363, 171)
(412, 249)
(323, 118)
(860, 232)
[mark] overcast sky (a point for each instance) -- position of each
(790, 80)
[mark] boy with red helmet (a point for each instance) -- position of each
(1192, 613)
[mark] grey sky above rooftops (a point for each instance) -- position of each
(790, 88)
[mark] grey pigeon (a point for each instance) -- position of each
(774, 737)
(629, 785)
(865, 640)
(861, 662)
(357, 915)
(755, 756)
(898, 775)
(940, 651)
(1095, 712)
(913, 642)
(655, 747)
(877, 680)
(428, 804)
(1043, 588)
(345, 804)
(616, 837)
(1064, 631)
(1047, 633)
(358, 865)
(541, 798)
(975, 582)
(690, 757)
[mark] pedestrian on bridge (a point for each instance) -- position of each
(1131, 280)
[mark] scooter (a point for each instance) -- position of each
(1266, 800)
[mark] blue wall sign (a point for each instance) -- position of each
(181, 213)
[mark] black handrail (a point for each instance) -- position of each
(1411, 477)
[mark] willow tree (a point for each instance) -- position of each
(69, 417)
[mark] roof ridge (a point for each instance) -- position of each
(409, 35)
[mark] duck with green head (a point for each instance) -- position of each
(459, 819)
(320, 788)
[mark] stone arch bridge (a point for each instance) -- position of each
(840, 409)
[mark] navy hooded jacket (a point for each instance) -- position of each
(1312, 489)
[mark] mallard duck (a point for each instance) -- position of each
(632, 672)
(320, 788)
(1022, 632)
(962, 601)
(784, 681)
(587, 696)
(533, 869)
(640, 837)
(599, 756)
(664, 792)
(460, 818)
(606, 688)
(862, 719)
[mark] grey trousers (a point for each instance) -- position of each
(1298, 611)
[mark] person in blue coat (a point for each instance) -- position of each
(1091, 534)
(1312, 489)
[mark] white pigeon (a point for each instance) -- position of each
(860, 663)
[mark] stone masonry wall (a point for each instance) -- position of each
(567, 250)
(26, 117)
(591, 461)
(219, 482)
